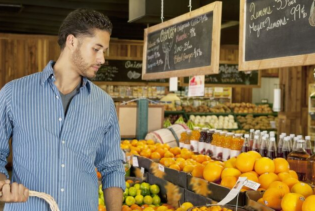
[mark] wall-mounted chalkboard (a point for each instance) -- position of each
(123, 71)
(230, 76)
(184, 46)
(276, 33)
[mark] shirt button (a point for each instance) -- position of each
(57, 97)
(60, 119)
(63, 142)
(62, 190)
(62, 165)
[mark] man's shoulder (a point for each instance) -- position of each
(100, 92)
(24, 81)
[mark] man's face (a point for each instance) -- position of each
(89, 53)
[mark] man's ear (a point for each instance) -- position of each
(71, 41)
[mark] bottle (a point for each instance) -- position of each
(308, 145)
(187, 141)
(298, 160)
(227, 146)
(267, 139)
(202, 141)
(286, 148)
(284, 134)
(310, 174)
(263, 147)
(219, 148)
(280, 143)
(214, 143)
(256, 144)
(295, 139)
(272, 149)
(183, 137)
(209, 148)
(292, 140)
(236, 146)
(251, 138)
(194, 139)
(246, 146)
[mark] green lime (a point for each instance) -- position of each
(130, 200)
(139, 199)
(148, 200)
(132, 191)
(154, 189)
(156, 200)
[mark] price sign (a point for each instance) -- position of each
(135, 162)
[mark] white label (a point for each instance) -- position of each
(208, 149)
(226, 154)
(252, 185)
(218, 89)
(196, 86)
(173, 83)
(142, 170)
(181, 145)
(234, 191)
(234, 153)
(161, 167)
(218, 153)
(135, 162)
(202, 148)
(187, 146)
(194, 145)
(214, 150)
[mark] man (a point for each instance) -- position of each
(63, 126)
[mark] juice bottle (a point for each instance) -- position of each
(286, 148)
(227, 146)
(310, 173)
(214, 142)
(308, 145)
(219, 148)
(209, 140)
(194, 139)
(298, 160)
(272, 148)
(251, 137)
(236, 145)
(263, 147)
(280, 143)
(256, 144)
(202, 141)
(183, 137)
(246, 146)
(187, 141)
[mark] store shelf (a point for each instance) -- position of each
(208, 114)
(256, 114)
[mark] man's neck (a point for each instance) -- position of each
(67, 79)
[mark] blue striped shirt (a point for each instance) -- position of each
(57, 154)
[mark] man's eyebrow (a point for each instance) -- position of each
(100, 45)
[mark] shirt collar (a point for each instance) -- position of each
(49, 72)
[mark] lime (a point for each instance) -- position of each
(186, 205)
(137, 186)
(145, 185)
(145, 192)
(148, 209)
(156, 200)
(138, 192)
(154, 189)
(130, 200)
(148, 200)
(126, 192)
(139, 199)
(132, 191)
(101, 201)
(127, 185)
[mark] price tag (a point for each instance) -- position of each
(234, 191)
(142, 170)
(252, 185)
(218, 89)
(135, 162)
(161, 167)
(173, 84)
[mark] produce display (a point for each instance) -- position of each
(211, 208)
(206, 109)
(222, 122)
(258, 123)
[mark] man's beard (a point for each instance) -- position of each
(79, 64)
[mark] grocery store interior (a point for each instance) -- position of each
(227, 102)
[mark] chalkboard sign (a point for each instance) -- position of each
(184, 46)
(123, 71)
(230, 76)
(277, 33)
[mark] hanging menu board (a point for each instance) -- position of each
(276, 33)
(124, 72)
(231, 77)
(184, 46)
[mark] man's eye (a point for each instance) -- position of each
(95, 49)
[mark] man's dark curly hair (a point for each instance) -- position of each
(82, 22)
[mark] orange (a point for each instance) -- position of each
(166, 146)
(135, 207)
(160, 151)
(101, 207)
(207, 158)
(168, 154)
(281, 165)
(250, 176)
(146, 153)
(175, 150)
(99, 175)
(198, 171)
(188, 168)
(134, 152)
(155, 155)
(290, 181)
(245, 162)
(124, 146)
(206, 162)
(302, 188)
(126, 142)
(175, 166)
(168, 162)
(230, 163)
(292, 202)
(281, 186)
(261, 201)
(186, 154)
(254, 154)
(266, 179)
(162, 161)
(309, 204)
(273, 197)
(134, 142)
(284, 175)
(293, 174)
(212, 172)
(229, 181)
(230, 172)
(125, 208)
(150, 142)
(200, 158)
(181, 163)
(152, 148)
(264, 165)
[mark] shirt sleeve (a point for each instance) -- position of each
(5, 127)
(109, 158)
